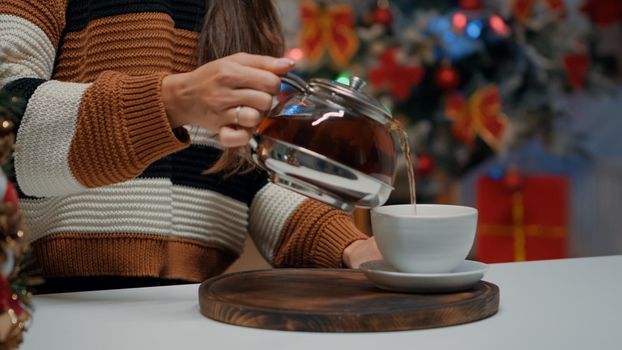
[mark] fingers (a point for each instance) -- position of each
(247, 117)
(258, 100)
(230, 137)
(257, 79)
(277, 66)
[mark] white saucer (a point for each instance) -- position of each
(387, 277)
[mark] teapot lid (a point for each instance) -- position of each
(354, 97)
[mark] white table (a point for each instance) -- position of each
(563, 304)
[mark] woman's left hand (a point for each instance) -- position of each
(361, 251)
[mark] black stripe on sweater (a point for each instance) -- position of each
(185, 168)
(187, 14)
(21, 89)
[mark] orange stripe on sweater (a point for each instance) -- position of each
(135, 44)
(315, 235)
(122, 127)
(129, 254)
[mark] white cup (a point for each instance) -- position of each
(435, 240)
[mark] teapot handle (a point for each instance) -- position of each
(293, 81)
(296, 82)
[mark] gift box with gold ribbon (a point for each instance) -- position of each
(522, 218)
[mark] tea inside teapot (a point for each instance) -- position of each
(326, 142)
(357, 142)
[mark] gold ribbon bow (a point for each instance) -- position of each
(328, 27)
(479, 115)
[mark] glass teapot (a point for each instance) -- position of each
(331, 142)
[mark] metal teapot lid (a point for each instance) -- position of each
(351, 95)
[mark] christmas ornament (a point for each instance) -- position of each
(447, 77)
(474, 29)
(576, 67)
(424, 165)
(327, 28)
(381, 14)
(470, 4)
(522, 9)
(399, 78)
(498, 25)
(480, 115)
(459, 21)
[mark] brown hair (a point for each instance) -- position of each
(232, 26)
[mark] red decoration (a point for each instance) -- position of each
(513, 180)
(576, 66)
(6, 298)
(459, 20)
(603, 12)
(526, 223)
(447, 77)
(5, 294)
(328, 28)
(522, 9)
(480, 115)
(400, 79)
(470, 4)
(425, 165)
(382, 15)
(10, 195)
(556, 5)
(498, 25)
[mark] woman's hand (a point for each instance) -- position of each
(361, 251)
(209, 95)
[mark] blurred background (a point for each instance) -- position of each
(512, 106)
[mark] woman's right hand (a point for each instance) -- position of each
(209, 95)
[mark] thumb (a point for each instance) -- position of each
(278, 66)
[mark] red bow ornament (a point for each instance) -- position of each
(397, 77)
(328, 28)
(480, 115)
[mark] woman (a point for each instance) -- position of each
(112, 182)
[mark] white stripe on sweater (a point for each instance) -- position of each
(25, 50)
(271, 208)
(44, 138)
(136, 206)
(209, 216)
(150, 206)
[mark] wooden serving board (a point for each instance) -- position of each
(327, 300)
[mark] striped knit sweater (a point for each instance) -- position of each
(107, 187)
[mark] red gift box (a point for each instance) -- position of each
(522, 219)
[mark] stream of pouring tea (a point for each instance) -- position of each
(405, 145)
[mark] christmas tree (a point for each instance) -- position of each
(470, 79)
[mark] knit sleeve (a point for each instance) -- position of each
(75, 136)
(291, 230)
